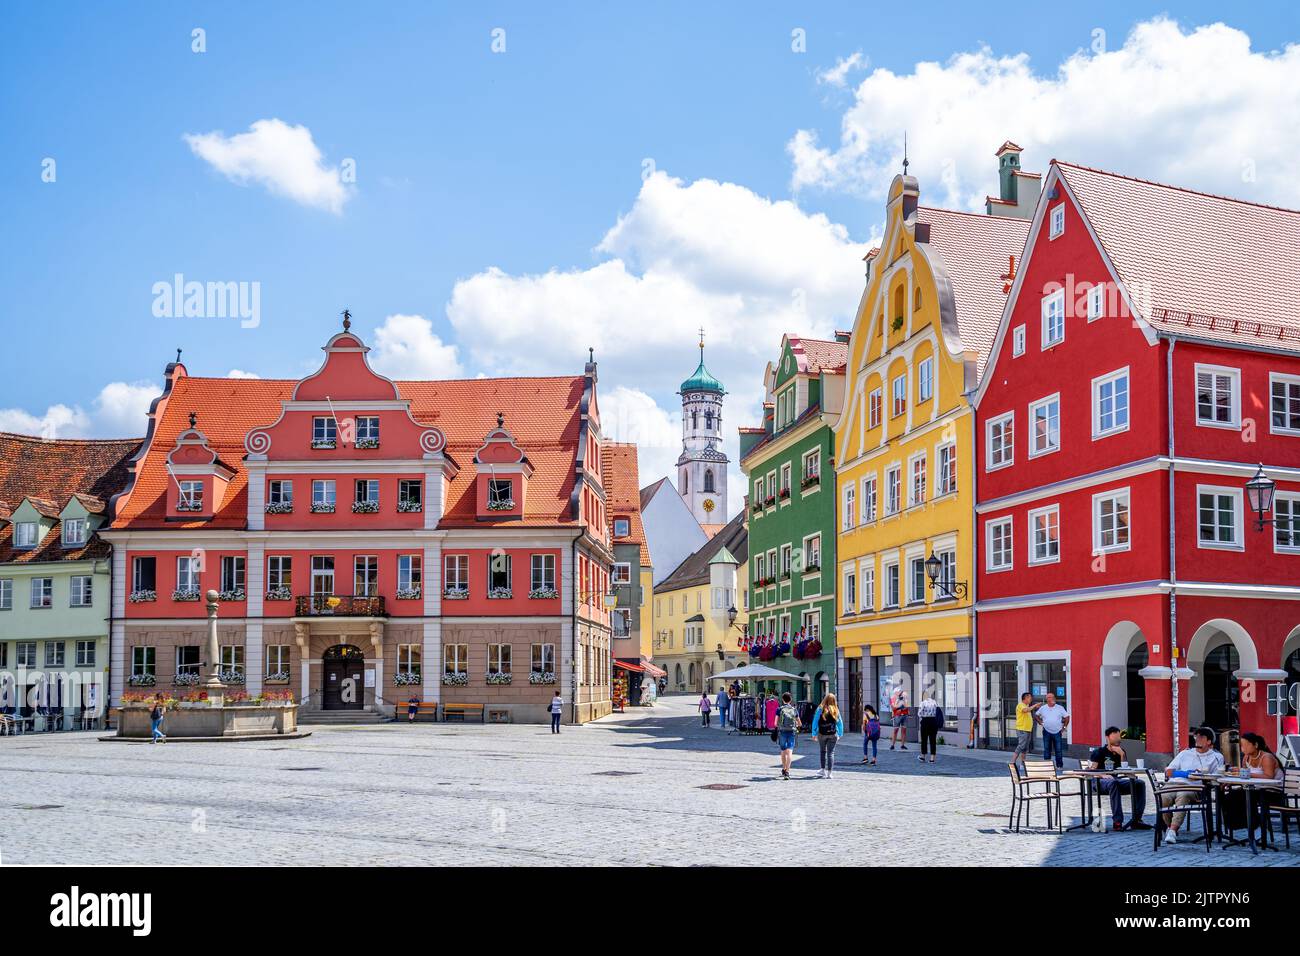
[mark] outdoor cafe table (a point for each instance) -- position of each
(1089, 779)
(1253, 786)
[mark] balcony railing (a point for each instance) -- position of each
(339, 605)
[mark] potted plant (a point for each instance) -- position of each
(455, 679)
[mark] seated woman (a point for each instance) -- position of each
(1260, 761)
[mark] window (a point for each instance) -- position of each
(946, 479)
(787, 559)
(187, 659)
(916, 580)
(6, 596)
(785, 479)
(322, 494)
(232, 574)
(1018, 341)
(999, 544)
(42, 592)
(1110, 403)
(1045, 426)
(365, 575)
(1110, 530)
(1218, 517)
(367, 491)
(500, 494)
(280, 494)
(85, 653)
(848, 510)
(1053, 319)
(82, 588)
(455, 659)
(621, 528)
(410, 495)
(367, 431)
(143, 661)
(875, 402)
(324, 432)
(25, 534)
(867, 591)
(916, 487)
(758, 492)
(322, 574)
(850, 588)
(232, 659)
(891, 584)
(408, 660)
(191, 496)
(893, 489)
(1056, 224)
(810, 622)
(760, 569)
(947, 573)
(455, 576)
(277, 661)
(54, 653)
(498, 572)
(1218, 396)
(1001, 441)
(622, 573)
(187, 574)
(812, 465)
(409, 568)
(498, 658)
(1286, 522)
(900, 397)
(279, 573)
(144, 574)
(1045, 535)
(812, 552)
(74, 532)
(868, 499)
(925, 380)
(1285, 395)
(4, 655)
(25, 654)
(1096, 302)
(543, 659)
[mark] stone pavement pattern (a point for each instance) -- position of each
(623, 790)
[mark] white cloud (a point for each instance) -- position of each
(240, 373)
(405, 347)
(1197, 108)
(58, 421)
(118, 411)
(845, 65)
(283, 158)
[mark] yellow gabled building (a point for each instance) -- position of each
(904, 456)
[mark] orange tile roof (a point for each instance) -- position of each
(620, 476)
(542, 413)
(814, 355)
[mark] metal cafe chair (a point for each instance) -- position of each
(1201, 804)
(1289, 808)
(1023, 794)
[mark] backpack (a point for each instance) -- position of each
(873, 728)
(786, 719)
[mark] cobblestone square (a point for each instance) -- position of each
(635, 788)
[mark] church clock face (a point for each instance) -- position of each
(709, 505)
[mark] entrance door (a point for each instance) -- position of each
(1221, 688)
(855, 694)
(344, 672)
(1047, 677)
(1000, 703)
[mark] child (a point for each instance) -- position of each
(870, 733)
(706, 706)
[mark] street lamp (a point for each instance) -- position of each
(731, 616)
(1259, 491)
(946, 588)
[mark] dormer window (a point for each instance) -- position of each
(25, 534)
(621, 527)
(500, 494)
(324, 433)
(367, 431)
(1057, 225)
(74, 532)
(191, 496)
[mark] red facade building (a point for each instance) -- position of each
(371, 540)
(1147, 362)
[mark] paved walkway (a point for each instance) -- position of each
(634, 788)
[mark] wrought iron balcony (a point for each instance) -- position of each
(339, 605)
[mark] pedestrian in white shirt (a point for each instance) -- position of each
(1202, 758)
(557, 708)
(1054, 719)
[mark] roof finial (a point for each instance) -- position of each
(193, 418)
(591, 354)
(178, 356)
(904, 152)
(347, 320)
(501, 420)
(701, 343)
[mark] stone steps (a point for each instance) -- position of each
(325, 717)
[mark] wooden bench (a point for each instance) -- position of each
(460, 711)
(425, 710)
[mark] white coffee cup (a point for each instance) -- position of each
(1142, 764)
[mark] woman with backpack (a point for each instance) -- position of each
(705, 707)
(785, 732)
(870, 733)
(828, 728)
(931, 715)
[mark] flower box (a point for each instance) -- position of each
(279, 677)
(235, 595)
(783, 494)
(500, 594)
(406, 678)
(280, 508)
(408, 594)
(458, 679)
(409, 506)
(546, 677)
(365, 507)
(456, 594)
(366, 443)
(506, 505)
(142, 680)
(322, 508)
(543, 594)
(232, 677)
(324, 443)
(810, 480)
(189, 506)
(769, 501)
(186, 679)
(139, 597)
(279, 594)
(812, 568)
(189, 594)
(496, 678)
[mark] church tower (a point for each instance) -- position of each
(702, 467)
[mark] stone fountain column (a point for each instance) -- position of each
(216, 690)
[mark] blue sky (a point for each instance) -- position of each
(480, 172)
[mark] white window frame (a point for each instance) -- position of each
(1018, 341)
(45, 586)
(1109, 379)
(808, 554)
(1235, 494)
(279, 571)
(1056, 221)
(1052, 512)
(1292, 498)
(849, 583)
(916, 489)
(946, 450)
(1280, 378)
(621, 572)
(625, 525)
(26, 535)
(887, 579)
(898, 396)
(187, 573)
(867, 584)
(81, 591)
(1234, 395)
(1112, 494)
(893, 489)
(82, 528)
(1007, 522)
(1007, 424)
(1053, 307)
(1095, 301)
(869, 498)
(875, 407)
(925, 379)
(916, 585)
(6, 594)
(1031, 427)
(279, 491)
(323, 492)
(410, 572)
(848, 508)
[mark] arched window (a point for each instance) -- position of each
(708, 420)
(708, 479)
(695, 419)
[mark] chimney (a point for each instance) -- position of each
(1017, 190)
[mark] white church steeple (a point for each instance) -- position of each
(702, 467)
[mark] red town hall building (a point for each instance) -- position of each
(1147, 363)
(371, 540)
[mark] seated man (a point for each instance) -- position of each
(1116, 787)
(1202, 758)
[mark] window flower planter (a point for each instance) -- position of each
(545, 677)
(543, 594)
(279, 677)
(235, 595)
(406, 678)
(496, 678)
(322, 508)
(366, 443)
(324, 443)
(408, 506)
(232, 677)
(190, 594)
(456, 594)
(279, 594)
(500, 594)
(769, 501)
(812, 568)
(183, 506)
(458, 679)
(142, 680)
(365, 507)
(140, 597)
(186, 679)
(408, 594)
(784, 494)
(810, 481)
(507, 505)
(757, 508)
(280, 508)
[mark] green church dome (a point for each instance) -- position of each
(702, 381)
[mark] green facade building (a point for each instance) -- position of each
(791, 510)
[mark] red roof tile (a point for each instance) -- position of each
(620, 476)
(814, 355)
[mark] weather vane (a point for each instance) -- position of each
(347, 320)
(904, 152)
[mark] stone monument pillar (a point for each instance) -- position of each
(215, 688)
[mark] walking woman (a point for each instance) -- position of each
(828, 727)
(156, 719)
(705, 707)
(785, 731)
(931, 715)
(870, 734)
